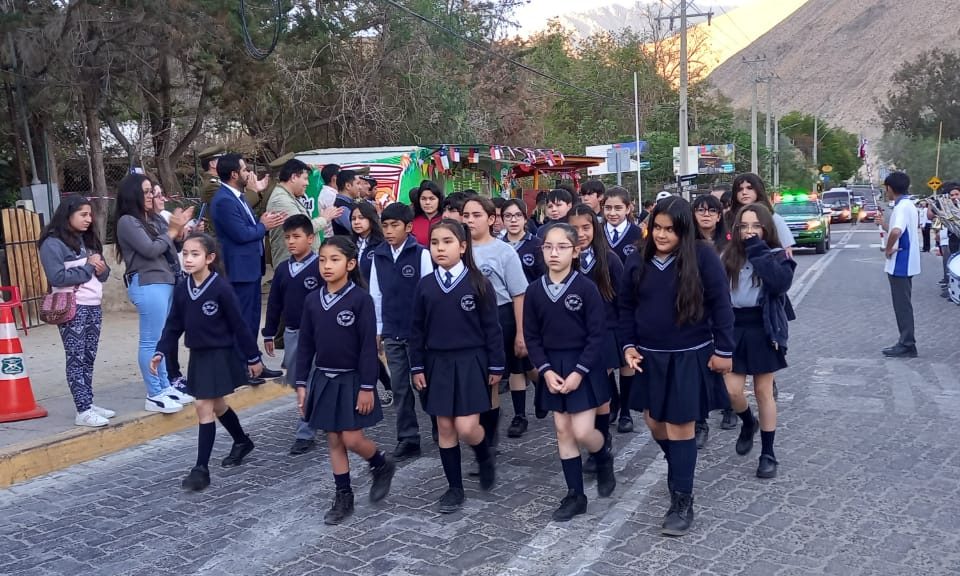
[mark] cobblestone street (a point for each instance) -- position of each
(868, 479)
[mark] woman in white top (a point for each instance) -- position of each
(748, 188)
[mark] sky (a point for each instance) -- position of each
(531, 15)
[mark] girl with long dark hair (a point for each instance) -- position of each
(150, 256)
(760, 275)
(749, 188)
(72, 259)
(426, 210)
(676, 329)
(456, 354)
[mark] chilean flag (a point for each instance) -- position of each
(862, 153)
(473, 156)
(454, 155)
(495, 153)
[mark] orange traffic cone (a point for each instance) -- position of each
(16, 395)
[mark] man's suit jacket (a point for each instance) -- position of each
(241, 240)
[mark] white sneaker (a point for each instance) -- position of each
(90, 418)
(103, 412)
(178, 395)
(162, 404)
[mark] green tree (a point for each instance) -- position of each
(835, 147)
(925, 92)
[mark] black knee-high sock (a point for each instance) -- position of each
(207, 434)
(683, 462)
(450, 458)
(377, 460)
(519, 398)
(766, 442)
(614, 394)
(342, 482)
(665, 446)
(602, 423)
(481, 450)
(384, 377)
(489, 420)
(232, 424)
(626, 385)
(746, 417)
(573, 474)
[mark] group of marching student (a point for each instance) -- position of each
(462, 291)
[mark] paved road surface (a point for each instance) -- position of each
(868, 483)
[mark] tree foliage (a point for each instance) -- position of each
(925, 92)
(836, 147)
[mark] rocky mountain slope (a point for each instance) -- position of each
(835, 58)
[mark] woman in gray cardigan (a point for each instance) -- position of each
(150, 255)
(70, 253)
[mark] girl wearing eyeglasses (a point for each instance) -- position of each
(760, 275)
(528, 248)
(564, 324)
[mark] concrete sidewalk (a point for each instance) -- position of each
(33, 447)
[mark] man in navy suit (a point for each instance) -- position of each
(241, 239)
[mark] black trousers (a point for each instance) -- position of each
(926, 237)
(901, 290)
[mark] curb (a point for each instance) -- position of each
(26, 460)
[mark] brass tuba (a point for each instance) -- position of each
(947, 212)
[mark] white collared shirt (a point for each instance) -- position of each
(454, 272)
(243, 201)
(621, 229)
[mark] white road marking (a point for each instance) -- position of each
(851, 246)
(876, 245)
(800, 287)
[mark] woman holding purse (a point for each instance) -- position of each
(71, 255)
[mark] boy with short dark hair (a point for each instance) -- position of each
(293, 280)
(452, 206)
(592, 193)
(398, 264)
(559, 202)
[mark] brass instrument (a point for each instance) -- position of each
(947, 212)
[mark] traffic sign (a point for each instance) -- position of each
(688, 178)
(934, 183)
(645, 165)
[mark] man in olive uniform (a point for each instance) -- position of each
(211, 182)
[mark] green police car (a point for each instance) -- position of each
(807, 219)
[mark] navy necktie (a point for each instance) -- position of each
(616, 235)
(448, 281)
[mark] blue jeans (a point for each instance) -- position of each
(153, 304)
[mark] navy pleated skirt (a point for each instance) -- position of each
(612, 356)
(594, 390)
(456, 382)
(332, 403)
(678, 387)
(753, 352)
(214, 372)
(508, 325)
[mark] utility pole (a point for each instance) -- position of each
(754, 152)
(816, 141)
(776, 153)
(684, 81)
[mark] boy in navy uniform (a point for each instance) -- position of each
(398, 264)
(558, 202)
(293, 280)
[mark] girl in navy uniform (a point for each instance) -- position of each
(456, 354)
(711, 230)
(528, 247)
(338, 353)
(564, 325)
(501, 265)
(367, 234)
(603, 267)
(206, 310)
(622, 234)
(676, 319)
(760, 275)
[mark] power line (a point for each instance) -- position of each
(484, 48)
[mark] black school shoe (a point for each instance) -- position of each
(747, 436)
(406, 450)
(767, 467)
(268, 373)
(625, 425)
(197, 479)
(451, 501)
(900, 351)
(382, 478)
(238, 453)
(341, 509)
(679, 517)
(518, 427)
(729, 421)
(702, 433)
(301, 446)
(573, 504)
